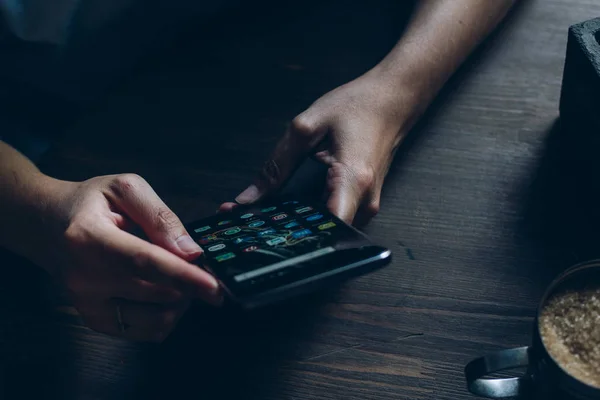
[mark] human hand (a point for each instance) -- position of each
(354, 130)
(120, 284)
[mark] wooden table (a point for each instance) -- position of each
(484, 205)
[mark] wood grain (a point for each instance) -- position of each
(484, 205)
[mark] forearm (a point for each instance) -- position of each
(25, 195)
(439, 37)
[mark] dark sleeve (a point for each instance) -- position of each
(30, 120)
(31, 116)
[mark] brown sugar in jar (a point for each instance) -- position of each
(569, 326)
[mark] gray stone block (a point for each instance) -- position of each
(580, 96)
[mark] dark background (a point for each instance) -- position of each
(485, 203)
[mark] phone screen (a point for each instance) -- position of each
(254, 246)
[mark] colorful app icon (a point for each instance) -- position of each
(292, 224)
(303, 210)
(314, 217)
(256, 224)
(268, 209)
(243, 239)
(276, 241)
(202, 229)
(221, 223)
(301, 234)
(250, 249)
(246, 216)
(224, 257)
(327, 225)
(269, 231)
(216, 247)
(232, 231)
(279, 217)
(207, 239)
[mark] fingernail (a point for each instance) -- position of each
(187, 245)
(249, 195)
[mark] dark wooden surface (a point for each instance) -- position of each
(483, 206)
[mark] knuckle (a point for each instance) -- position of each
(167, 320)
(364, 177)
(142, 259)
(126, 183)
(271, 174)
(302, 127)
(74, 234)
(373, 208)
(166, 220)
(77, 232)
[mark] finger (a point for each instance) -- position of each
(297, 143)
(368, 210)
(136, 198)
(155, 264)
(348, 188)
(132, 321)
(117, 283)
(227, 207)
(142, 291)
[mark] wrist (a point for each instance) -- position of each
(33, 219)
(400, 103)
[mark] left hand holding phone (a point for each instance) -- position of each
(354, 130)
(122, 285)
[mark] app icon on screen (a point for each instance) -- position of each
(279, 217)
(256, 224)
(232, 231)
(292, 224)
(250, 249)
(314, 217)
(221, 223)
(276, 241)
(301, 234)
(202, 229)
(207, 239)
(246, 216)
(303, 210)
(243, 239)
(224, 257)
(268, 209)
(266, 232)
(327, 225)
(216, 247)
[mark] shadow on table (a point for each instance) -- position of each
(561, 214)
(34, 357)
(212, 354)
(230, 354)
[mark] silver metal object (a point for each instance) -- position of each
(544, 378)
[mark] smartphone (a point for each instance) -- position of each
(267, 253)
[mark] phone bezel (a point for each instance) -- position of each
(378, 257)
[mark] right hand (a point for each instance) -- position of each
(117, 280)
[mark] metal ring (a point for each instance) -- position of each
(498, 388)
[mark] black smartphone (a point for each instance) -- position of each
(270, 252)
